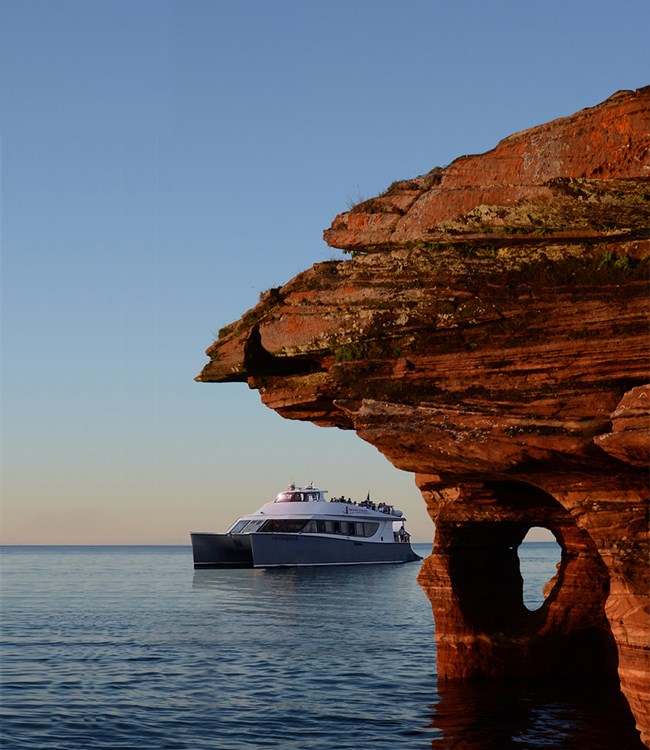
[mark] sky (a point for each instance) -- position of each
(163, 162)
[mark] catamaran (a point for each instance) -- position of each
(302, 528)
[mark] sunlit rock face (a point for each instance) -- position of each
(490, 335)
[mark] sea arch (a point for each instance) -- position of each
(474, 583)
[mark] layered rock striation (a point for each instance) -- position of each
(490, 335)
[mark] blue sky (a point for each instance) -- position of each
(162, 163)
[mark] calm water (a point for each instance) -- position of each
(129, 647)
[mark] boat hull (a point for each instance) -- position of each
(221, 550)
(264, 550)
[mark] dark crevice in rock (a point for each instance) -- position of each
(258, 361)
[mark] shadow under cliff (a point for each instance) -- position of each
(576, 714)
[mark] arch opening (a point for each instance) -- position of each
(559, 627)
(540, 558)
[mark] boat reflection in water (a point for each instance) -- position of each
(300, 528)
(563, 714)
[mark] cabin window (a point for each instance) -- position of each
(288, 497)
(239, 526)
(345, 528)
(283, 525)
(254, 526)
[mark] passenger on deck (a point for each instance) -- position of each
(403, 535)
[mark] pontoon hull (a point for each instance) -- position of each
(264, 550)
(221, 550)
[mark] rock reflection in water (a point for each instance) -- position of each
(568, 715)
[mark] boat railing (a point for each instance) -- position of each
(381, 507)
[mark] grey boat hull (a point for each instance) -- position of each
(221, 550)
(267, 550)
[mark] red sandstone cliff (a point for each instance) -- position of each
(490, 335)
(568, 179)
